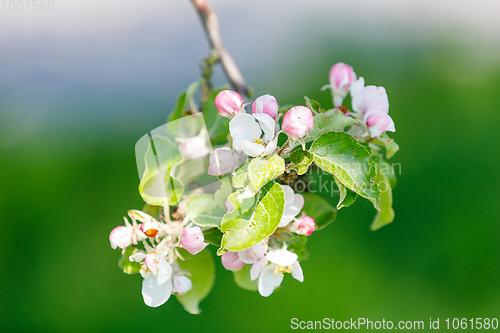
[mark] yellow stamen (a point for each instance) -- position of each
(257, 141)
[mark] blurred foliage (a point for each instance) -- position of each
(66, 185)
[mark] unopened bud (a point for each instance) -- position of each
(297, 122)
(150, 229)
(266, 104)
(181, 284)
(121, 237)
(378, 122)
(306, 225)
(192, 240)
(231, 261)
(341, 77)
(228, 103)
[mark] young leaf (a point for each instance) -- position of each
(204, 211)
(301, 159)
(391, 147)
(202, 274)
(242, 279)
(312, 104)
(386, 213)
(238, 178)
(252, 219)
(297, 245)
(263, 170)
(347, 197)
(129, 267)
(213, 236)
(182, 102)
(319, 209)
(331, 120)
(344, 157)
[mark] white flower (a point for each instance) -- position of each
(294, 202)
(271, 276)
(253, 134)
(224, 160)
(157, 274)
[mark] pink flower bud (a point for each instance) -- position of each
(266, 104)
(341, 77)
(121, 237)
(231, 261)
(192, 240)
(306, 225)
(181, 284)
(228, 103)
(297, 122)
(378, 122)
(224, 160)
(150, 229)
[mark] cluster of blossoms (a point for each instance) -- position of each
(370, 104)
(260, 226)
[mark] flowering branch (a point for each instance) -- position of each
(211, 25)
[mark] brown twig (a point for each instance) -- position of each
(211, 25)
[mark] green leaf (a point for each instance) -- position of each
(238, 178)
(263, 170)
(331, 120)
(218, 126)
(129, 267)
(312, 104)
(386, 214)
(301, 159)
(319, 209)
(204, 211)
(157, 186)
(391, 147)
(190, 170)
(347, 197)
(344, 157)
(202, 274)
(154, 211)
(182, 102)
(213, 236)
(242, 279)
(252, 219)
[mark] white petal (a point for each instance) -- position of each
(257, 268)
(138, 257)
(155, 295)
(267, 124)
(252, 148)
(271, 147)
(297, 273)
(245, 127)
(356, 87)
(282, 257)
(164, 271)
(268, 281)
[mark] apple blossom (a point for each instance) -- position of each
(266, 104)
(369, 98)
(228, 103)
(231, 261)
(270, 276)
(254, 253)
(341, 77)
(294, 202)
(305, 225)
(224, 160)
(378, 122)
(192, 240)
(253, 134)
(297, 122)
(157, 277)
(194, 147)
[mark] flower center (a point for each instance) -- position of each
(283, 269)
(258, 141)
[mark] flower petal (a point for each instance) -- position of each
(297, 273)
(164, 271)
(245, 127)
(268, 281)
(137, 257)
(257, 268)
(153, 294)
(282, 257)
(267, 124)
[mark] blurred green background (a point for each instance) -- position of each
(69, 175)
